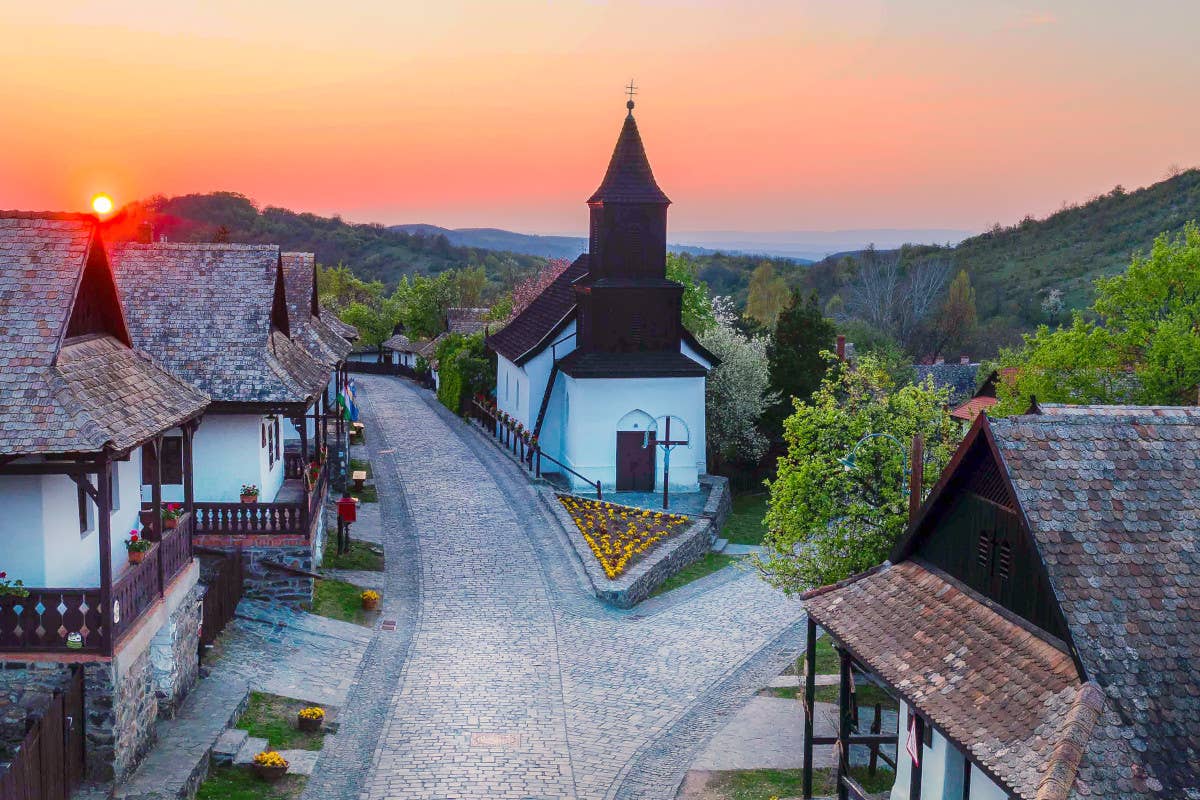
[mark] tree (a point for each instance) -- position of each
(737, 392)
(464, 370)
(374, 324)
(895, 296)
(525, 291)
(794, 353)
(697, 305)
(956, 319)
(1140, 343)
(824, 522)
(766, 296)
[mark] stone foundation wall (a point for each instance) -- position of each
(276, 585)
(174, 653)
(719, 504)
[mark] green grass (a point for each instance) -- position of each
(240, 783)
(358, 463)
(695, 571)
(745, 523)
(271, 717)
(362, 556)
(762, 784)
(339, 600)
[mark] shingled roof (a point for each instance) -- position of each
(342, 329)
(401, 344)
(69, 382)
(958, 378)
(1112, 496)
(216, 315)
(305, 321)
(1010, 698)
(466, 321)
(530, 331)
(629, 178)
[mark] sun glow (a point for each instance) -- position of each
(102, 204)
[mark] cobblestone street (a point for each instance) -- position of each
(505, 677)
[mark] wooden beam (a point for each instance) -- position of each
(50, 468)
(189, 489)
(104, 526)
(843, 763)
(810, 690)
(85, 483)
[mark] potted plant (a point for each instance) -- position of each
(270, 766)
(310, 719)
(370, 599)
(137, 547)
(13, 588)
(249, 493)
(170, 515)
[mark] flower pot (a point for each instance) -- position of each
(269, 774)
(370, 605)
(249, 498)
(308, 725)
(137, 556)
(171, 523)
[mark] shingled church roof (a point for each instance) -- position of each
(524, 336)
(305, 321)
(216, 315)
(69, 381)
(629, 178)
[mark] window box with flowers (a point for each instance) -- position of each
(249, 493)
(12, 588)
(137, 547)
(171, 513)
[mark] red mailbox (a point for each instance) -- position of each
(347, 509)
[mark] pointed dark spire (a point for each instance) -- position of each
(629, 178)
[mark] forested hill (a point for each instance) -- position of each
(1015, 268)
(373, 252)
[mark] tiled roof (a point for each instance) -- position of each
(629, 178)
(82, 394)
(1012, 699)
(204, 311)
(971, 409)
(958, 378)
(320, 340)
(466, 321)
(401, 344)
(529, 331)
(1112, 496)
(342, 329)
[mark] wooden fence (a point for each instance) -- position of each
(223, 592)
(49, 762)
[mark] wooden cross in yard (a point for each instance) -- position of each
(667, 444)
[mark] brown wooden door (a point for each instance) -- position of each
(635, 464)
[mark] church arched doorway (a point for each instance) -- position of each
(636, 452)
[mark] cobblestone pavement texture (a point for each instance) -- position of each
(504, 676)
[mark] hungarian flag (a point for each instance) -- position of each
(346, 401)
(913, 745)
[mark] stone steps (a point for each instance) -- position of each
(251, 746)
(228, 745)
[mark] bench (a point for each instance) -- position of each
(358, 476)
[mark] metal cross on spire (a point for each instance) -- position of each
(630, 90)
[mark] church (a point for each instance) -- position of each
(599, 366)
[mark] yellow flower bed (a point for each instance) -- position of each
(269, 758)
(617, 535)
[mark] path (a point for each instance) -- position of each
(513, 681)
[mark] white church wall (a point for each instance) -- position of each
(228, 452)
(520, 389)
(943, 769)
(595, 406)
(691, 353)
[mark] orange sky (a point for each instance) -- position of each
(757, 115)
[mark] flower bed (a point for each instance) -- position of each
(618, 535)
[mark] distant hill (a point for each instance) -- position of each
(567, 247)
(1014, 268)
(373, 252)
(809, 245)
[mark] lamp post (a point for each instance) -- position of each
(848, 462)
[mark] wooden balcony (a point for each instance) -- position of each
(296, 511)
(42, 621)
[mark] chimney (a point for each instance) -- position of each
(965, 360)
(841, 347)
(145, 232)
(939, 360)
(915, 476)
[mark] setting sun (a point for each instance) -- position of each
(102, 204)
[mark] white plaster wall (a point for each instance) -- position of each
(942, 770)
(982, 787)
(22, 530)
(228, 452)
(595, 406)
(526, 384)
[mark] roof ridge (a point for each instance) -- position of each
(60, 216)
(235, 246)
(1060, 770)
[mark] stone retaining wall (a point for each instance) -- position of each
(719, 505)
(639, 581)
(173, 652)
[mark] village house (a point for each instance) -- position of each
(98, 594)
(217, 316)
(1039, 622)
(599, 366)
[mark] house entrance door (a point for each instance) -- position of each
(635, 464)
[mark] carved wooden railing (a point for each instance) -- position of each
(264, 518)
(135, 591)
(176, 547)
(44, 619)
(293, 465)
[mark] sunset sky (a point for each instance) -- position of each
(797, 114)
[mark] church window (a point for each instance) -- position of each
(1004, 560)
(983, 552)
